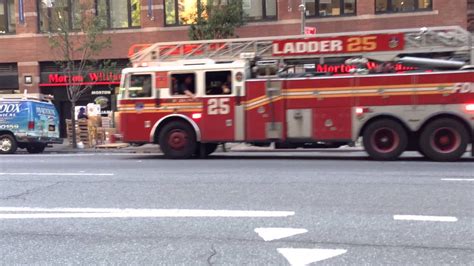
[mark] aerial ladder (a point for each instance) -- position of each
(450, 46)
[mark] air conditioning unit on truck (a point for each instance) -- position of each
(190, 96)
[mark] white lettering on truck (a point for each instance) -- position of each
(463, 88)
(304, 47)
(8, 108)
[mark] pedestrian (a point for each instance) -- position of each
(82, 113)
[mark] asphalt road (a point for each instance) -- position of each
(333, 208)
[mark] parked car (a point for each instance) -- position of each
(27, 124)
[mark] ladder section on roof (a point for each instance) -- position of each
(399, 41)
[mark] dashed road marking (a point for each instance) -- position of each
(458, 179)
(269, 234)
(57, 174)
(424, 218)
(305, 256)
(62, 213)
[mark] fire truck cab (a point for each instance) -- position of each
(189, 97)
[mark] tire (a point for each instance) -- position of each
(385, 140)
(8, 144)
(35, 148)
(444, 140)
(211, 148)
(178, 140)
(208, 147)
(420, 151)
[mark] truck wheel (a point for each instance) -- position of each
(177, 140)
(209, 148)
(8, 144)
(385, 140)
(444, 140)
(36, 148)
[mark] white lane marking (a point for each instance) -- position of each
(269, 234)
(57, 174)
(57, 213)
(458, 179)
(305, 256)
(425, 218)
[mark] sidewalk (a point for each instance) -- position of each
(153, 148)
(112, 148)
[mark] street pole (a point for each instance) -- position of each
(302, 8)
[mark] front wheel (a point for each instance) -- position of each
(444, 140)
(209, 148)
(385, 140)
(36, 148)
(8, 144)
(177, 140)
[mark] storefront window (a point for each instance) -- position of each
(325, 8)
(183, 12)
(120, 13)
(7, 16)
(396, 6)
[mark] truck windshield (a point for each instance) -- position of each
(140, 86)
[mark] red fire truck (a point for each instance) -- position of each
(190, 96)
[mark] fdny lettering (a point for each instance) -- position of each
(463, 88)
(307, 47)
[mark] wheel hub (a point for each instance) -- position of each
(5, 144)
(385, 140)
(445, 140)
(177, 139)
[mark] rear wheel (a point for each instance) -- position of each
(36, 148)
(444, 140)
(177, 140)
(385, 140)
(8, 144)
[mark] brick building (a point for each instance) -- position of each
(470, 15)
(27, 61)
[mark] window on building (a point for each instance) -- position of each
(395, 6)
(183, 12)
(56, 15)
(115, 13)
(7, 16)
(259, 9)
(325, 8)
(120, 13)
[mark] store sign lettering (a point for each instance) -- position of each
(345, 69)
(89, 77)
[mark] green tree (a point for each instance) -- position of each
(218, 19)
(77, 43)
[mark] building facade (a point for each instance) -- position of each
(27, 60)
(470, 15)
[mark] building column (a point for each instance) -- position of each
(31, 17)
(153, 18)
(29, 77)
(366, 7)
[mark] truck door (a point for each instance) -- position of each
(219, 101)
